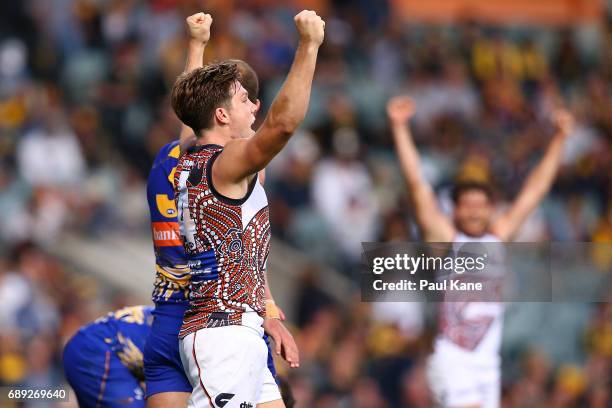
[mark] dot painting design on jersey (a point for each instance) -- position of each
(230, 248)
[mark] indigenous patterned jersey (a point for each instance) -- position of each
(470, 331)
(172, 274)
(226, 242)
(125, 332)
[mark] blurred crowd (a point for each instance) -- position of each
(352, 354)
(84, 108)
(374, 356)
(44, 302)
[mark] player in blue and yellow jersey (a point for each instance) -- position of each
(166, 383)
(103, 361)
(163, 368)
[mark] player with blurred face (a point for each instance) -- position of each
(166, 382)
(224, 223)
(473, 201)
(464, 370)
(473, 208)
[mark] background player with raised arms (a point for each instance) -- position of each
(464, 370)
(224, 221)
(166, 382)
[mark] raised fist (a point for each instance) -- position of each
(310, 26)
(563, 121)
(199, 26)
(400, 109)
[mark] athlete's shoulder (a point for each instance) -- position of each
(171, 149)
(197, 156)
(164, 162)
(169, 152)
(140, 315)
(203, 149)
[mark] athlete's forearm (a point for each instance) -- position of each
(290, 105)
(410, 161)
(195, 59)
(289, 108)
(242, 158)
(538, 182)
(267, 292)
(272, 310)
(195, 55)
(534, 189)
(433, 224)
(199, 33)
(285, 115)
(542, 176)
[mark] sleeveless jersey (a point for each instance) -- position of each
(172, 273)
(470, 333)
(226, 242)
(125, 332)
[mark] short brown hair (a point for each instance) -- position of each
(248, 78)
(196, 94)
(465, 186)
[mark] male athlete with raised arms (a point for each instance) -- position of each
(166, 382)
(224, 221)
(464, 370)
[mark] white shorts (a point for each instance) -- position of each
(227, 367)
(458, 385)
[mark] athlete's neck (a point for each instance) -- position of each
(217, 136)
(473, 235)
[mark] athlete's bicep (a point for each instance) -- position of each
(438, 228)
(434, 224)
(229, 175)
(509, 222)
(243, 158)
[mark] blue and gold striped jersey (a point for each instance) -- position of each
(125, 332)
(172, 274)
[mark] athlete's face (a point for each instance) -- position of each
(473, 212)
(241, 112)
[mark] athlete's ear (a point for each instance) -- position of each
(222, 116)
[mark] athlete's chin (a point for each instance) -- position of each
(473, 228)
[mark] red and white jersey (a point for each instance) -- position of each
(226, 242)
(471, 332)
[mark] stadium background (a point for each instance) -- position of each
(84, 108)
